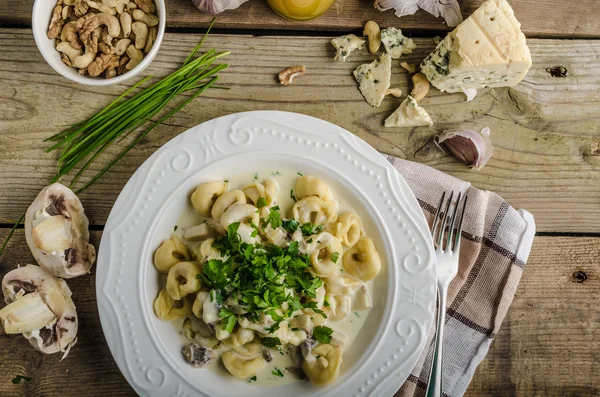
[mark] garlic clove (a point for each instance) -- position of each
(53, 234)
(217, 6)
(449, 10)
(26, 314)
(471, 147)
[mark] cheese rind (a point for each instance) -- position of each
(487, 50)
(409, 114)
(395, 43)
(344, 45)
(374, 79)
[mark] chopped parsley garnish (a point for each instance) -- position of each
(276, 173)
(175, 228)
(253, 379)
(17, 379)
(262, 202)
(356, 314)
(310, 240)
(322, 334)
(325, 303)
(300, 174)
(274, 218)
(296, 329)
(254, 233)
(335, 256)
(309, 229)
(256, 175)
(277, 372)
(290, 225)
(292, 195)
(270, 342)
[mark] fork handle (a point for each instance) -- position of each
(434, 388)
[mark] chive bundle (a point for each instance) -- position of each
(80, 144)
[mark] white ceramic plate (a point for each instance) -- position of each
(148, 350)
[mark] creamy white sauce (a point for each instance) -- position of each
(350, 325)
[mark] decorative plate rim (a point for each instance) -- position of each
(410, 303)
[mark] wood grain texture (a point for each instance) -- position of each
(545, 130)
(540, 18)
(548, 344)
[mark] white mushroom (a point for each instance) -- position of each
(56, 229)
(50, 298)
(141, 34)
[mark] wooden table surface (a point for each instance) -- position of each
(546, 132)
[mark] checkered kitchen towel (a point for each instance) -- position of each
(496, 241)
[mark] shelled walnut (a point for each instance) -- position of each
(93, 35)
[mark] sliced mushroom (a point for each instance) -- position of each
(198, 356)
(56, 229)
(33, 286)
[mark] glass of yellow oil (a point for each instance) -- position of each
(300, 10)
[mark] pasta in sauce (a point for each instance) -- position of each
(264, 280)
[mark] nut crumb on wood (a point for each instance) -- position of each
(395, 92)
(409, 67)
(286, 76)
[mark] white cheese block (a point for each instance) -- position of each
(409, 114)
(395, 43)
(374, 79)
(344, 45)
(487, 50)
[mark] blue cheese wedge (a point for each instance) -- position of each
(344, 45)
(374, 79)
(409, 114)
(487, 50)
(395, 43)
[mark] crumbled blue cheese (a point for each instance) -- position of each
(344, 45)
(487, 50)
(409, 114)
(374, 79)
(395, 43)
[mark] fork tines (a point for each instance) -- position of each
(442, 216)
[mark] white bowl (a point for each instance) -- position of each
(40, 16)
(148, 350)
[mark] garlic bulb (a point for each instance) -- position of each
(447, 9)
(470, 147)
(217, 6)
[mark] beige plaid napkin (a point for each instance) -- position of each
(496, 241)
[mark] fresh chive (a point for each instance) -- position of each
(356, 314)
(175, 228)
(277, 372)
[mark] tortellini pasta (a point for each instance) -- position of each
(243, 213)
(308, 185)
(343, 304)
(239, 337)
(250, 349)
(205, 251)
(242, 368)
(225, 201)
(182, 280)
(166, 308)
(267, 190)
(326, 368)
(362, 261)
(205, 196)
(325, 255)
(198, 306)
(348, 229)
(201, 340)
(170, 252)
(314, 210)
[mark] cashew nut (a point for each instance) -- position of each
(110, 21)
(409, 67)
(286, 76)
(69, 33)
(396, 92)
(125, 19)
(135, 57)
(121, 46)
(149, 19)
(66, 11)
(420, 86)
(372, 31)
(150, 40)
(141, 34)
(84, 60)
(120, 6)
(110, 3)
(146, 6)
(66, 48)
(101, 7)
(131, 5)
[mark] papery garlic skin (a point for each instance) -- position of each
(217, 6)
(471, 147)
(447, 9)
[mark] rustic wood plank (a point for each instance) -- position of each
(552, 317)
(549, 18)
(541, 129)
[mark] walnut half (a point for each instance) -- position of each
(286, 76)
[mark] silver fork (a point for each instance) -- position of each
(447, 267)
